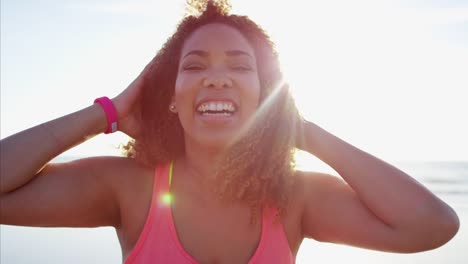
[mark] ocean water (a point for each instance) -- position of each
(448, 180)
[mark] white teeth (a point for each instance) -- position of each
(212, 107)
(217, 107)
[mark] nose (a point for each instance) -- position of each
(217, 81)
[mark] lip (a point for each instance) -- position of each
(216, 120)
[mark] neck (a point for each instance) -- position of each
(200, 162)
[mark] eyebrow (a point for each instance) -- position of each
(200, 53)
(230, 53)
(233, 53)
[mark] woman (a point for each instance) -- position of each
(209, 176)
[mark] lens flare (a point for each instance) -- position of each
(166, 198)
(264, 106)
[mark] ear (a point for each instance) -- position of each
(172, 105)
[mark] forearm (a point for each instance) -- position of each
(392, 195)
(24, 154)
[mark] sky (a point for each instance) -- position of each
(389, 77)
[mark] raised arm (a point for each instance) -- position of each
(24, 154)
(33, 191)
(377, 206)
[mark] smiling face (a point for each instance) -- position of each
(217, 88)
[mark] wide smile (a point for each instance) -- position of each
(216, 108)
(217, 111)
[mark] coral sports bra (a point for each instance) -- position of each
(159, 243)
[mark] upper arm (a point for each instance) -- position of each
(334, 213)
(79, 193)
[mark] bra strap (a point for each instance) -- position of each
(171, 168)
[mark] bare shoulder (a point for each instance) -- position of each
(304, 184)
(121, 172)
(110, 164)
(312, 180)
(126, 176)
(311, 184)
(315, 192)
(132, 185)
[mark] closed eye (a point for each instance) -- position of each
(193, 67)
(241, 68)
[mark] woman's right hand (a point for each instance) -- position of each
(128, 101)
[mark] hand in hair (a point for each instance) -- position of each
(128, 101)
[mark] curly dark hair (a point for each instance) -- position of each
(258, 168)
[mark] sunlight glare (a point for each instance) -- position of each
(166, 199)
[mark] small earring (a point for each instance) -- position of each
(172, 108)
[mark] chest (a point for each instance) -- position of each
(206, 232)
(211, 235)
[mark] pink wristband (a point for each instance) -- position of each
(111, 113)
